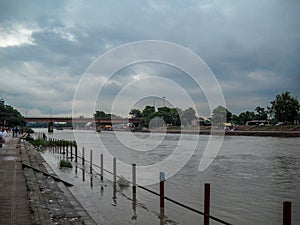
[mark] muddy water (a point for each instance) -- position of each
(250, 178)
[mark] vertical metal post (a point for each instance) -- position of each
(115, 170)
(82, 155)
(67, 149)
(71, 146)
(101, 166)
(162, 189)
(206, 203)
(60, 146)
(287, 213)
(91, 161)
(134, 179)
(56, 145)
(75, 152)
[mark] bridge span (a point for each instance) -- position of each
(82, 120)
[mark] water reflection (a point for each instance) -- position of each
(162, 216)
(83, 174)
(91, 181)
(114, 197)
(101, 189)
(134, 217)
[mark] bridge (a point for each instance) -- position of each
(82, 120)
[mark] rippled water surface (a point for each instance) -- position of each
(250, 178)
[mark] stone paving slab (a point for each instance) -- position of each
(14, 207)
(29, 197)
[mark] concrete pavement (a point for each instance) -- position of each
(14, 207)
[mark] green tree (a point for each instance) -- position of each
(148, 115)
(169, 115)
(284, 107)
(100, 115)
(261, 113)
(10, 117)
(136, 113)
(246, 116)
(175, 116)
(235, 119)
(105, 116)
(164, 113)
(188, 116)
(219, 116)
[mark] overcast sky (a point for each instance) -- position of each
(252, 47)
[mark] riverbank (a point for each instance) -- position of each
(29, 194)
(240, 133)
(271, 131)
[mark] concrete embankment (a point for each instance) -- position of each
(29, 194)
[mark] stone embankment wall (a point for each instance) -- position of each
(50, 202)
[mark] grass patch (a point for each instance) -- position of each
(174, 128)
(64, 163)
(39, 142)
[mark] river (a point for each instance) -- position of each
(250, 178)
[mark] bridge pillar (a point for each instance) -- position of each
(50, 127)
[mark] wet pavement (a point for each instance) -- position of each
(28, 195)
(14, 208)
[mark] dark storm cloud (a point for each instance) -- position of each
(252, 47)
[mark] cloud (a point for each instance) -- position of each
(252, 47)
(15, 35)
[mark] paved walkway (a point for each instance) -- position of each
(14, 207)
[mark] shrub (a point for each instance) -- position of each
(39, 142)
(64, 163)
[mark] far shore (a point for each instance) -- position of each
(240, 133)
(271, 131)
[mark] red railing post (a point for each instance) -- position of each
(75, 152)
(162, 189)
(134, 179)
(287, 213)
(101, 165)
(83, 156)
(206, 203)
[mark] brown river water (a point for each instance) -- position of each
(250, 178)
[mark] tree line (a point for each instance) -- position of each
(284, 108)
(170, 116)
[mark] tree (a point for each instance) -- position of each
(246, 116)
(164, 113)
(285, 107)
(136, 113)
(100, 115)
(105, 116)
(175, 117)
(261, 113)
(169, 115)
(10, 117)
(235, 119)
(188, 116)
(219, 116)
(148, 115)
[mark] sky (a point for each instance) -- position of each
(47, 47)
